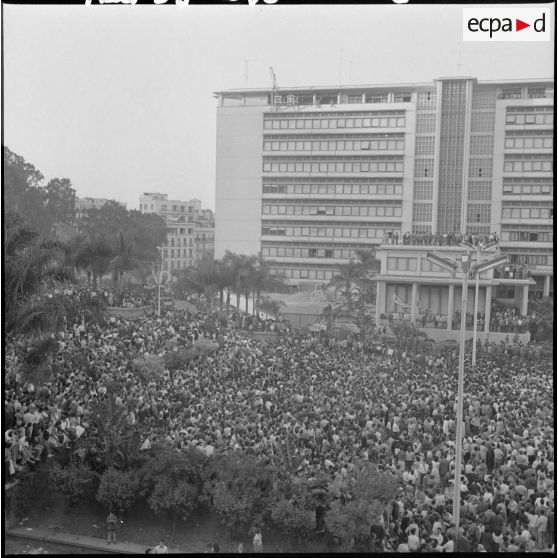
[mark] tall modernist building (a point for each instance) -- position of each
(309, 175)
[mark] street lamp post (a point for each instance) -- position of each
(480, 249)
(159, 281)
(476, 269)
(465, 265)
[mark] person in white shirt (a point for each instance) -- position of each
(161, 548)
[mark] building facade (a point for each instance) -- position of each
(204, 232)
(313, 175)
(411, 285)
(179, 252)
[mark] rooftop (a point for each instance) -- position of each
(392, 86)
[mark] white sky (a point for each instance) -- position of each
(119, 98)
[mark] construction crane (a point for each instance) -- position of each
(274, 87)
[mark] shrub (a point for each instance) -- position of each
(117, 489)
(33, 491)
(76, 481)
(173, 495)
(236, 509)
(296, 522)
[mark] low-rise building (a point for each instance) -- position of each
(185, 221)
(411, 285)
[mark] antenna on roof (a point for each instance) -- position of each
(275, 99)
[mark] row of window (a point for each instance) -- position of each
(423, 190)
(482, 121)
(425, 124)
(173, 208)
(527, 189)
(528, 166)
(424, 168)
(335, 189)
(324, 123)
(480, 168)
(335, 145)
(479, 190)
(518, 93)
(484, 98)
(326, 232)
(180, 241)
(482, 145)
(422, 211)
(176, 253)
(424, 145)
(529, 143)
(357, 210)
(526, 213)
(478, 213)
(531, 259)
(297, 273)
(402, 264)
(288, 252)
(380, 166)
(545, 119)
(527, 236)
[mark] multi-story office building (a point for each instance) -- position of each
(309, 175)
(180, 250)
(204, 231)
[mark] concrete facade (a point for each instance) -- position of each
(320, 173)
(409, 284)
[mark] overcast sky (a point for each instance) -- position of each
(119, 98)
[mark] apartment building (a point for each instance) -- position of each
(179, 252)
(310, 175)
(204, 232)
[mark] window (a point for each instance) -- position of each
(426, 123)
(423, 190)
(422, 212)
(424, 145)
(424, 168)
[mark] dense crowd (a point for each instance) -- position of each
(441, 239)
(335, 402)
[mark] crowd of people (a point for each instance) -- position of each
(336, 402)
(441, 239)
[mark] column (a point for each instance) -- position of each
(451, 296)
(487, 307)
(378, 299)
(546, 286)
(414, 300)
(524, 300)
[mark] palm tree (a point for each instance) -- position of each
(263, 280)
(271, 306)
(31, 266)
(244, 267)
(354, 280)
(124, 260)
(93, 255)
